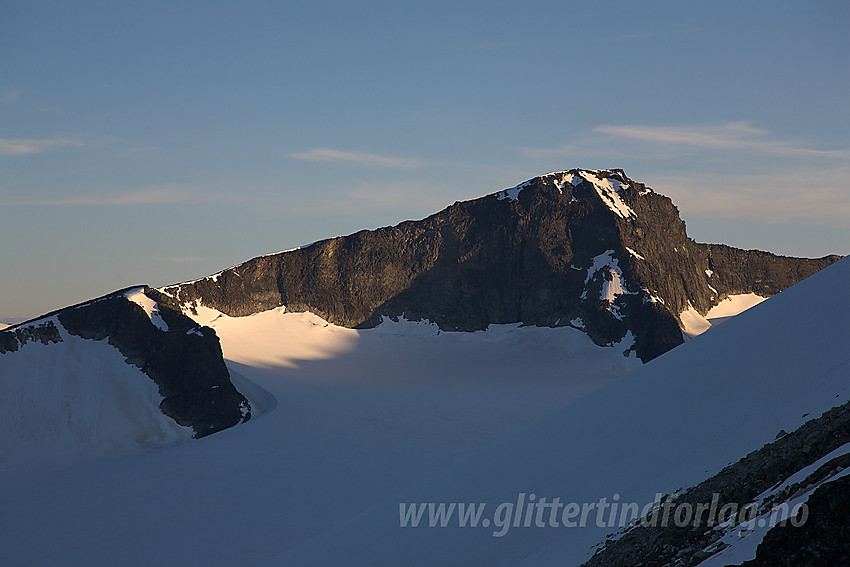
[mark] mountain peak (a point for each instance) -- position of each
(608, 185)
(591, 249)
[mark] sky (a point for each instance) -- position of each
(157, 142)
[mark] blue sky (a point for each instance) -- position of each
(154, 142)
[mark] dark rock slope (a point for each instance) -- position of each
(182, 358)
(819, 534)
(590, 249)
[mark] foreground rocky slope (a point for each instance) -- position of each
(590, 249)
(806, 467)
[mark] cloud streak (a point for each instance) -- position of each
(25, 146)
(735, 170)
(9, 96)
(182, 259)
(339, 156)
(731, 136)
(153, 196)
(803, 196)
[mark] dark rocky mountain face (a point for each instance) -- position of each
(590, 249)
(183, 359)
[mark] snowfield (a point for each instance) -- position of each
(342, 419)
(348, 424)
(666, 426)
(75, 401)
(694, 324)
(732, 306)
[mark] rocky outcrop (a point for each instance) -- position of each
(820, 537)
(182, 358)
(824, 539)
(44, 332)
(591, 249)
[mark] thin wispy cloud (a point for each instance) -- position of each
(799, 196)
(339, 156)
(25, 146)
(416, 198)
(153, 196)
(9, 96)
(630, 36)
(731, 136)
(494, 45)
(182, 259)
(736, 170)
(50, 109)
(666, 35)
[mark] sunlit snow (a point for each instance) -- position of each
(608, 190)
(733, 305)
(613, 282)
(635, 254)
(694, 324)
(150, 306)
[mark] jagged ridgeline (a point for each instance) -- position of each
(590, 249)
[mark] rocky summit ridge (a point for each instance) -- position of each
(591, 249)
